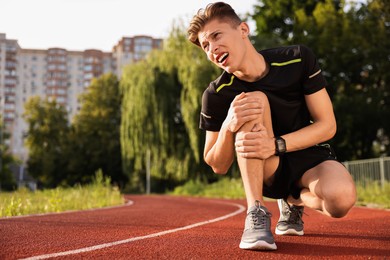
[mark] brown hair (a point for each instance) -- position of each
(218, 10)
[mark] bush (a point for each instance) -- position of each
(225, 188)
(371, 194)
(95, 195)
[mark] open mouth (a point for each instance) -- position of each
(222, 57)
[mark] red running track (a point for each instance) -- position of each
(165, 227)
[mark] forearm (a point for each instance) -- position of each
(308, 136)
(221, 155)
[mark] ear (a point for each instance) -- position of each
(244, 28)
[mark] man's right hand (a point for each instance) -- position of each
(244, 108)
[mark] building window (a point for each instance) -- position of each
(51, 67)
(10, 64)
(9, 115)
(61, 91)
(60, 99)
(10, 72)
(87, 68)
(9, 90)
(143, 41)
(9, 106)
(10, 81)
(9, 98)
(10, 48)
(88, 76)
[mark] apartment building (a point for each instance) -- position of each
(56, 73)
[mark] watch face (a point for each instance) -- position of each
(281, 145)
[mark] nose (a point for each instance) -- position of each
(213, 48)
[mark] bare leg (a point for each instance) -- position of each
(254, 171)
(328, 188)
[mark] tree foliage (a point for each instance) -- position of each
(351, 43)
(148, 95)
(161, 106)
(7, 180)
(149, 121)
(95, 137)
(48, 129)
(66, 154)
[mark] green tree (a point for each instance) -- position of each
(363, 81)
(94, 142)
(47, 130)
(7, 180)
(278, 22)
(152, 123)
(194, 73)
(351, 43)
(161, 106)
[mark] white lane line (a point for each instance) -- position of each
(129, 240)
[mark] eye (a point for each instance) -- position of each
(217, 36)
(205, 46)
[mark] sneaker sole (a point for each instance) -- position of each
(258, 245)
(288, 232)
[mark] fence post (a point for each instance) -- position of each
(382, 171)
(346, 165)
(148, 171)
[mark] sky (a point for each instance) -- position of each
(96, 24)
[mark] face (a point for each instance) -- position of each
(224, 44)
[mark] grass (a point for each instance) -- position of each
(101, 194)
(225, 188)
(374, 195)
(96, 195)
(371, 194)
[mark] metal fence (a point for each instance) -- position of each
(370, 170)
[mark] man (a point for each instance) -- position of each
(271, 109)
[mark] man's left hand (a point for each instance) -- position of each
(255, 144)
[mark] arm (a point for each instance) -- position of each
(219, 146)
(323, 127)
(258, 145)
(219, 150)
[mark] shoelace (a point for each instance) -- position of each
(259, 218)
(295, 214)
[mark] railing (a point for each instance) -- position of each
(370, 170)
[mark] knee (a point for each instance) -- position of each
(340, 201)
(262, 103)
(260, 97)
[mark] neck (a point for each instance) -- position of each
(254, 67)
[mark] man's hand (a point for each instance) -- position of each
(244, 108)
(256, 144)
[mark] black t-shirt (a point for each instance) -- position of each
(293, 73)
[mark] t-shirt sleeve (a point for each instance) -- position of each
(214, 110)
(313, 80)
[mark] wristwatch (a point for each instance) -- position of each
(280, 145)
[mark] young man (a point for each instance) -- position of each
(271, 109)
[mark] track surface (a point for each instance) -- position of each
(161, 227)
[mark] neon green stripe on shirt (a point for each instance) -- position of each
(285, 63)
(226, 84)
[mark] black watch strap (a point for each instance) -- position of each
(280, 145)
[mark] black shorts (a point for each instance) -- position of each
(291, 168)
